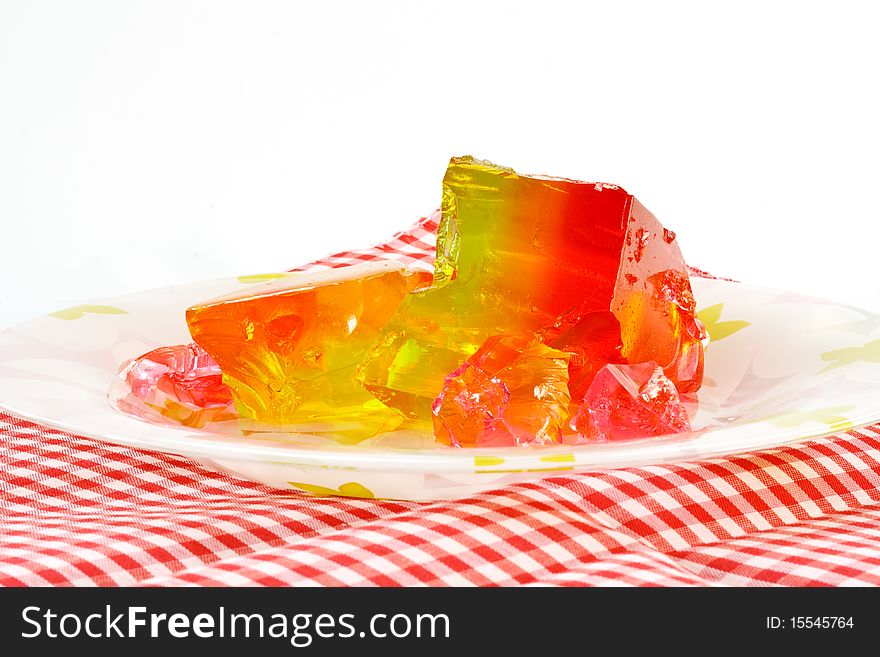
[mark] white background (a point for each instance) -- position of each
(148, 144)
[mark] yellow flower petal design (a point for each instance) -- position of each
(261, 278)
(354, 489)
(558, 458)
(833, 416)
(489, 461)
(717, 329)
(76, 312)
(868, 352)
(348, 489)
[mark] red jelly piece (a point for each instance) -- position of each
(592, 341)
(180, 382)
(630, 401)
(185, 372)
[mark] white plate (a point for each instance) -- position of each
(780, 368)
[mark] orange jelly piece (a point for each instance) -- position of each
(513, 391)
(288, 348)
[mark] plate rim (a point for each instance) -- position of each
(590, 456)
(377, 460)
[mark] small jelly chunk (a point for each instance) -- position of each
(630, 401)
(181, 382)
(517, 253)
(288, 348)
(592, 341)
(512, 391)
(666, 308)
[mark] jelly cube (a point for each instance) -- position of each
(630, 401)
(512, 391)
(180, 382)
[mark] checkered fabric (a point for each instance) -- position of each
(77, 511)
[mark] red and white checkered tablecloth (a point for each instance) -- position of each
(77, 511)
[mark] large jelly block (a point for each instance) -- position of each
(512, 391)
(518, 253)
(630, 401)
(288, 348)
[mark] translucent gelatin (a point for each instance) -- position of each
(539, 254)
(630, 401)
(288, 348)
(592, 341)
(512, 391)
(182, 383)
(543, 288)
(665, 308)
